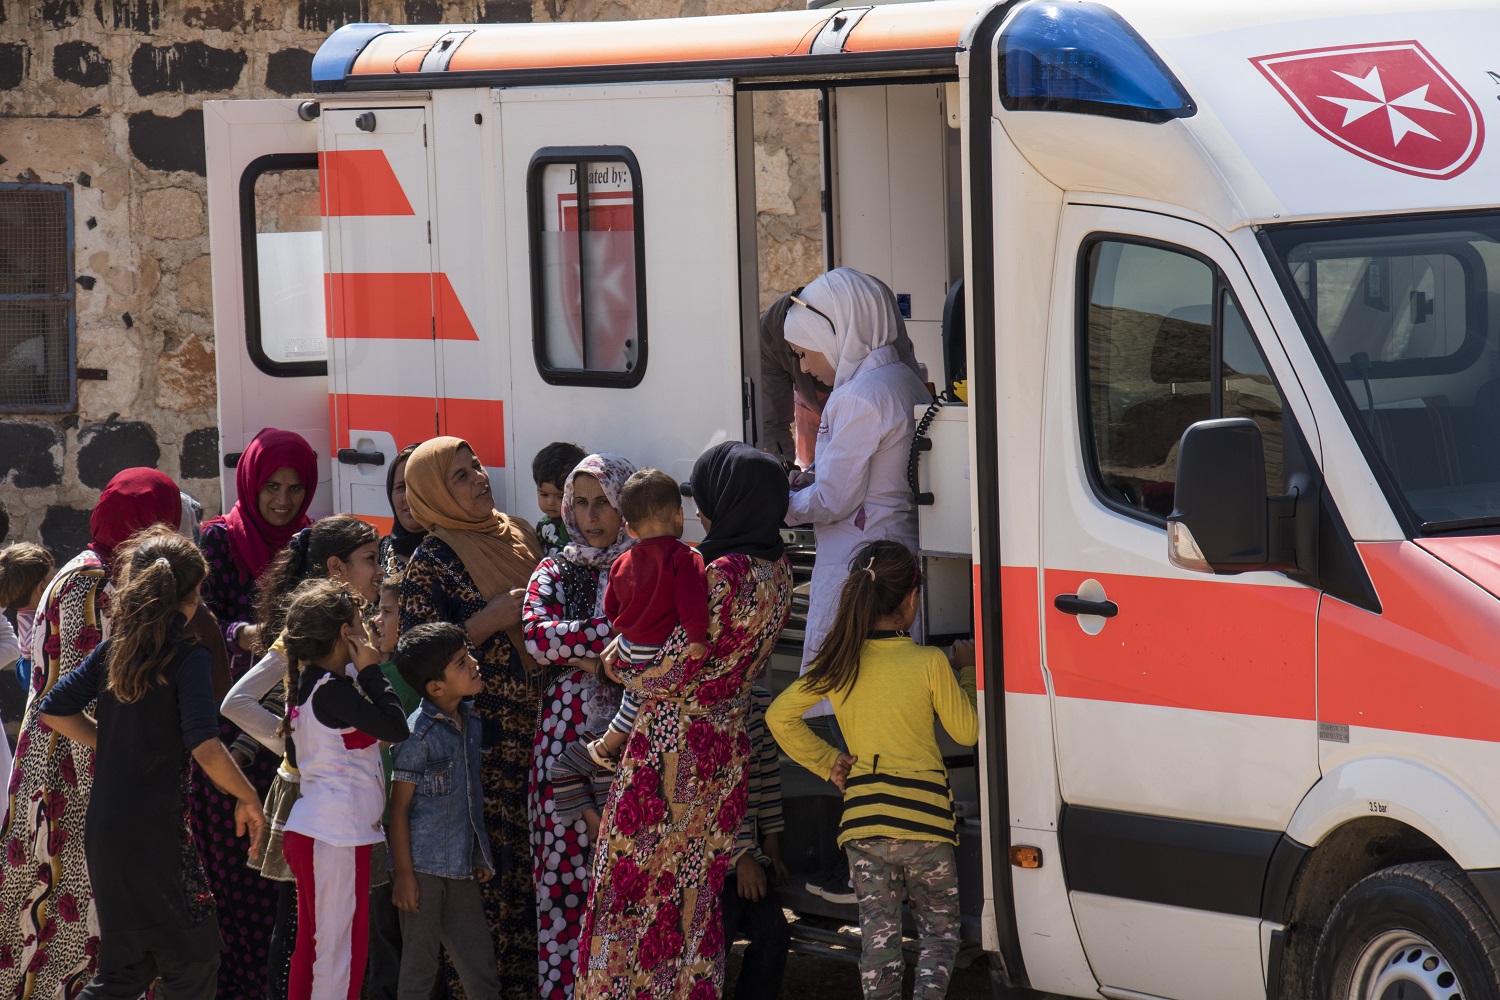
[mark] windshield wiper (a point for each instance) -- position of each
(1461, 524)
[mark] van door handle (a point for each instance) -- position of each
(1072, 604)
(348, 456)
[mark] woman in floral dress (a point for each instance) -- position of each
(48, 941)
(566, 628)
(472, 570)
(653, 930)
(275, 478)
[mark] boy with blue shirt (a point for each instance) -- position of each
(439, 851)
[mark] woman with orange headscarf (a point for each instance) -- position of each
(471, 569)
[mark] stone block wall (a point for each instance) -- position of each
(106, 97)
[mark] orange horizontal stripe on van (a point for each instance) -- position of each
(1426, 664)
(395, 306)
(1206, 645)
(414, 419)
(765, 35)
(481, 422)
(380, 524)
(1021, 637)
(359, 182)
(911, 26)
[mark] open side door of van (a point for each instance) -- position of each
(265, 240)
(623, 241)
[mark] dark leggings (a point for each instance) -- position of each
(283, 941)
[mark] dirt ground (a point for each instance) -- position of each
(809, 978)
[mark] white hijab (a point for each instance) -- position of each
(861, 318)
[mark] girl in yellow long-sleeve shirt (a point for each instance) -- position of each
(898, 825)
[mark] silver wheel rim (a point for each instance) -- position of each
(1402, 965)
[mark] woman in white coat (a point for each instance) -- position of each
(846, 332)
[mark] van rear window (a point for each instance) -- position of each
(587, 266)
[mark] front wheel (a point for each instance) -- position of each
(1417, 931)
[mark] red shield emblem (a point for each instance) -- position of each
(1389, 102)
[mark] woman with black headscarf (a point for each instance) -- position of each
(653, 923)
(406, 532)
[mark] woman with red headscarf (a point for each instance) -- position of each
(275, 479)
(45, 895)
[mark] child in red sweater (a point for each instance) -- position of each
(656, 585)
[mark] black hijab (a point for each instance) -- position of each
(403, 542)
(743, 492)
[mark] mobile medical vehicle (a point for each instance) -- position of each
(1222, 506)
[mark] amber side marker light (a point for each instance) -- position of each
(1026, 857)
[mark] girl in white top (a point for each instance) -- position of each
(336, 728)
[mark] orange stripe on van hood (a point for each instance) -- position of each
(1477, 558)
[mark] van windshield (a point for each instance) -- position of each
(1406, 313)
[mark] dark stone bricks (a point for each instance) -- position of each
(225, 15)
(15, 61)
(65, 530)
(504, 12)
(137, 15)
(168, 143)
(289, 72)
(423, 11)
(189, 67)
(200, 454)
(61, 13)
(26, 453)
(325, 15)
(80, 63)
(104, 449)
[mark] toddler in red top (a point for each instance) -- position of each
(655, 586)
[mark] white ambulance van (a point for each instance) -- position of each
(1222, 506)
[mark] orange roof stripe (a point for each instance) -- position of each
(912, 26)
(921, 25)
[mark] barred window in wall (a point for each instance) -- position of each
(36, 298)
(588, 275)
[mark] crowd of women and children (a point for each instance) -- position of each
(269, 757)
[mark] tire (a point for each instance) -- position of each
(1417, 931)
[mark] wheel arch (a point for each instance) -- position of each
(1351, 838)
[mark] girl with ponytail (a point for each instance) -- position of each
(341, 547)
(155, 708)
(898, 826)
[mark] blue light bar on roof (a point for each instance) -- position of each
(1082, 58)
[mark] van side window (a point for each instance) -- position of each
(1164, 344)
(588, 274)
(281, 251)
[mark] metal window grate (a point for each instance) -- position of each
(36, 297)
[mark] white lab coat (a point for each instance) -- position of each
(861, 494)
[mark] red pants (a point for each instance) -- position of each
(333, 916)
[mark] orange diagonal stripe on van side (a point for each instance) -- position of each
(360, 182)
(407, 419)
(481, 422)
(396, 306)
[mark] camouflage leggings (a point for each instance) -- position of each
(924, 874)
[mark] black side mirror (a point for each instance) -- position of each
(1219, 524)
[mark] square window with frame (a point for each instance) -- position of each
(588, 274)
(38, 350)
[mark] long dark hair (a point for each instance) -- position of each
(315, 620)
(160, 569)
(305, 558)
(881, 575)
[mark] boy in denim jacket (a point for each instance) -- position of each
(439, 851)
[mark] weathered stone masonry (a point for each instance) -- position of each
(106, 96)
